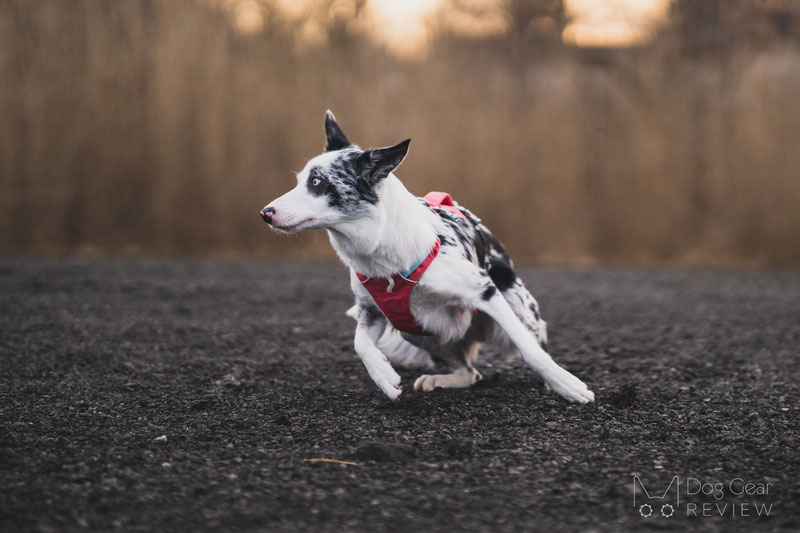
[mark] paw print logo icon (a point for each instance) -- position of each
(645, 510)
(667, 510)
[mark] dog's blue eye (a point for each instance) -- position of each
(315, 182)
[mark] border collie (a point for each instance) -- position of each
(431, 283)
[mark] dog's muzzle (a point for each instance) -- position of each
(267, 213)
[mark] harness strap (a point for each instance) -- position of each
(393, 295)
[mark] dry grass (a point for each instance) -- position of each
(153, 126)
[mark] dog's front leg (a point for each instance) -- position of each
(560, 380)
(371, 324)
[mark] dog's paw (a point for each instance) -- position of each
(392, 392)
(384, 376)
(569, 387)
(390, 387)
(389, 381)
(456, 380)
(427, 382)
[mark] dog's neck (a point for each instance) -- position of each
(396, 236)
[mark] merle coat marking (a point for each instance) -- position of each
(378, 228)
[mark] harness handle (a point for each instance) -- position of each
(444, 201)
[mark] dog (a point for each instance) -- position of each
(431, 282)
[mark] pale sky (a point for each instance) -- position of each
(402, 25)
(612, 22)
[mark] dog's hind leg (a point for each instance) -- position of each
(462, 377)
(561, 381)
(525, 307)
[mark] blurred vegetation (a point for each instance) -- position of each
(155, 126)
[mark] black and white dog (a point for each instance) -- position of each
(434, 267)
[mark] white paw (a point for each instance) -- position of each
(392, 392)
(456, 380)
(569, 387)
(426, 382)
(384, 376)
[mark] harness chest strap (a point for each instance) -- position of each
(395, 301)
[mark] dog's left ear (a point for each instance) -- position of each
(377, 163)
(335, 138)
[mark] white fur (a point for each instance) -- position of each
(376, 244)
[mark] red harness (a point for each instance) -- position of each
(443, 200)
(393, 298)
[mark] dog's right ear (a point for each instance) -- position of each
(335, 138)
(376, 164)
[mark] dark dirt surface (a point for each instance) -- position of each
(190, 395)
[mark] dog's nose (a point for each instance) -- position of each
(267, 213)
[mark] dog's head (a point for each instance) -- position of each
(336, 186)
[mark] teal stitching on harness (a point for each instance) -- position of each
(408, 272)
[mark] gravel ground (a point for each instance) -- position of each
(194, 395)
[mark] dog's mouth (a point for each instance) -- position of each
(293, 228)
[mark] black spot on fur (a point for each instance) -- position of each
(488, 292)
(478, 245)
(459, 226)
(370, 313)
(495, 249)
(502, 275)
(341, 183)
(334, 199)
(444, 241)
(330, 185)
(352, 167)
(365, 192)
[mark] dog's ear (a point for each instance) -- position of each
(335, 138)
(377, 163)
